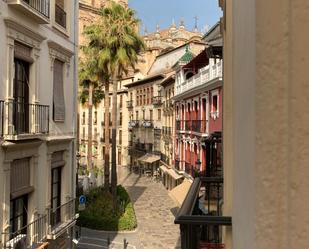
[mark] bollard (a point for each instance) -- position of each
(125, 244)
(108, 242)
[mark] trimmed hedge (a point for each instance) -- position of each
(100, 214)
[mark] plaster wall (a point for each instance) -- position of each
(61, 135)
(266, 143)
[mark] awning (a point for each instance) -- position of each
(149, 158)
(163, 168)
(179, 193)
(174, 174)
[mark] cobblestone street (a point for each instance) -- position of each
(154, 211)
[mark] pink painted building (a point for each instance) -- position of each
(198, 109)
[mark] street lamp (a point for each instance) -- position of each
(198, 166)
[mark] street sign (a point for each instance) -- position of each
(82, 200)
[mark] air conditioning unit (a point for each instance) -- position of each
(18, 242)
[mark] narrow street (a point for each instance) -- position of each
(154, 211)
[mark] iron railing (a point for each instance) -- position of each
(200, 218)
(147, 123)
(188, 125)
(60, 16)
(157, 100)
(199, 126)
(41, 6)
(133, 123)
(22, 118)
(29, 236)
(60, 215)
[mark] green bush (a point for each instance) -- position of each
(101, 215)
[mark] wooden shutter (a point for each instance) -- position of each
(20, 177)
(22, 52)
(58, 94)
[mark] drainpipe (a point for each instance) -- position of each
(75, 115)
(75, 79)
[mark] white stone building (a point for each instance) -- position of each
(38, 75)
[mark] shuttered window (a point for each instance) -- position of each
(20, 177)
(58, 94)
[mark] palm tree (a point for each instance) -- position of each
(92, 94)
(115, 36)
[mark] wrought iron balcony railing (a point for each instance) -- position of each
(31, 236)
(41, 6)
(60, 16)
(157, 100)
(61, 218)
(200, 218)
(147, 123)
(199, 126)
(19, 118)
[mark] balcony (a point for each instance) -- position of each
(61, 219)
(205, 75)
(37, 9)
(31, 236)
(198, 126)
(60, 16)
(200, 216)
(130, 104)
(21, 120)
(157, 101)
(147, 123)
(133, 124)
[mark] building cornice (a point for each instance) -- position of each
(15, 29)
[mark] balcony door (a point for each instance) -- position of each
(56, 196)
(21, 97)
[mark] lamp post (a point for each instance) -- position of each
(198, 166)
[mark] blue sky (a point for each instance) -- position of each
(162, 12)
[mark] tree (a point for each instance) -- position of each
(92, 94)
(116, 38)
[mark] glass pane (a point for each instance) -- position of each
(55, 175)
(55, 190)
(19, 207)
(55, 203)
(20, 222)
